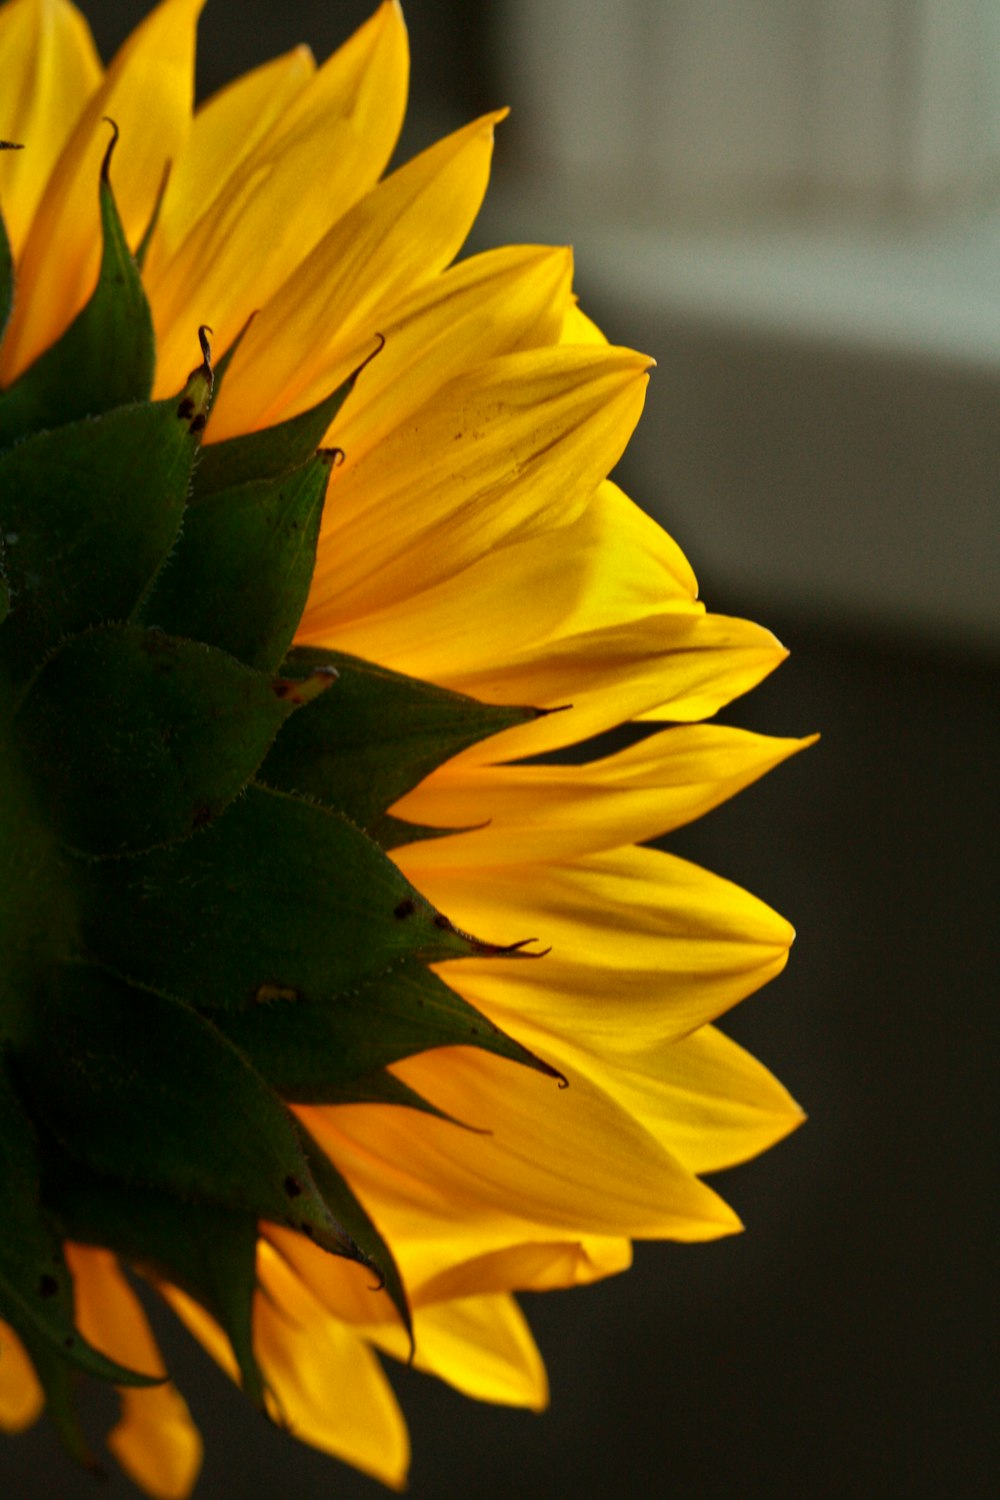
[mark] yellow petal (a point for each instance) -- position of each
(321, 155)
(501, 450)
(579, 329)
(147, 91)
(480, 1345)
(597, 614)
(50, 67)
(21, 1395)
(558, 812)
(704, 1098)
(155, 1440)
(555, 1164)
(396, 238)
(544, 1266)
(489, 304)
(225, 131)
(644, 946)
(346, 1290)
(328, 1387)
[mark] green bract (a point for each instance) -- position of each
(199, 921)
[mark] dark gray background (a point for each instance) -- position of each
(839, 1347)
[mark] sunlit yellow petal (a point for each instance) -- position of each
(224, 132)
(704, 1098)
(504, 448)
(489, 304)
(480, 1345)
(644, 946)
(323, 153)
(578, 328)
(538, 1267)
(556, 812)
(155, 1440)
(554, 1161)
(49, 67)
(327, 1386)
(21, 1396)
(396, 238)
(597, 614)
(148, 92)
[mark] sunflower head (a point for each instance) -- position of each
(283, 909)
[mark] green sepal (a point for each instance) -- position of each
(347, 1210)
(278, 901)
(272, 451)
(174, 731)
(56, 1378)
(385, 1088)
(106, 357)
(90, 512)
(36, 1289)
(312, 1053)
(138, 1087)
(6, 278)
(208, 1251)
(384, 734)
(240, 573)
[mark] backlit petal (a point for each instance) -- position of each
(480, 1345)
(21, 1396)
(326, 150)
(489, 304)
(556, 812)
(148, 92)
(155, 1440)
(396, 238)
(644, 946)
(553, 1161)
(328, 1387)
(504, 449)
(49, 67)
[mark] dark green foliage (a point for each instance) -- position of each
(174, 731)
(36, 1293)
(255, 546)
(313, 1051)
(279, 900)
(381, 735)
(106, 357)
(90, 512)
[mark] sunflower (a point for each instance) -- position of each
(435, 588)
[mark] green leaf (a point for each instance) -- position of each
(56, 1379)
(143, 738)
(240, 573)
(140, 1088)
(207, 1251)
(379, 739)
(36, 1289)
(90, 513)
(347, 1210)
(107, 355)
(277, 901)
(313, 1053)
(272, 451)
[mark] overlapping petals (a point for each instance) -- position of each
(471, 537)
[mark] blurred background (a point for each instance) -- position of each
(795, 206)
